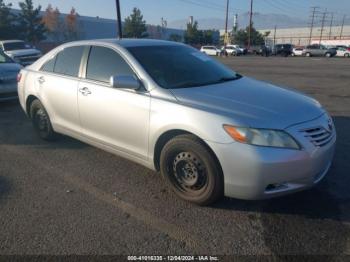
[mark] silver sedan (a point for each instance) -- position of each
(208, 130)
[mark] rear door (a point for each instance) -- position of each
(115, 117)
(58, 82)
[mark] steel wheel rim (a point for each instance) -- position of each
(189, 174)
(41, 121)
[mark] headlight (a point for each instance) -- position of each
(262, 137)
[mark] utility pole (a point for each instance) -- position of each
(342, 27)
(226, 25)
(313, 14)
(250, 24)
(322, 24)
(274, 37)
(119, 20)
(330, 27)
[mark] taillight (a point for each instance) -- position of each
(19, 77)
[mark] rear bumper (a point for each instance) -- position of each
(8, 92)
(253, 173)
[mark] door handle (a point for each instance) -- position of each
(85, 91)
(41, 80)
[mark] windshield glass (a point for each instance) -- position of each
(4, 58)
(181, 66)
(14, 46)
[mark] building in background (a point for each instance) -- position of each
(301, 36)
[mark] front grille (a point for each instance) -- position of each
(319, 136)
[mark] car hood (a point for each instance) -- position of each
(23, 52)
(252, 103)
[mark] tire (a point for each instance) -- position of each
(347, 55)
(328, 55)
(308, 54)
(41, 121)
(191, 170)
(293, 54)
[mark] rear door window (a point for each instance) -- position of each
(68, 61)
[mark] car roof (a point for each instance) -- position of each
(126, 42)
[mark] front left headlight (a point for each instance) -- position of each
(262, 137)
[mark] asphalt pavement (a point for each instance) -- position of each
(67, 197)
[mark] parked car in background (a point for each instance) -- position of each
(343, 52)
(282, 50)
(211, 50)
(19, 51)
(297, 51)
(319, 50)
(8, 76)
(233, 51)
(264, 50)
(208, 130)
(242, 49)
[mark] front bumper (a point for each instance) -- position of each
(252, 172)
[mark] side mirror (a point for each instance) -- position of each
(125, 82)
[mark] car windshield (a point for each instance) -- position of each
(4, 58)
(14, 46)
(173, 66)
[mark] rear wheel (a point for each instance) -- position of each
(328, 55)
(191, 170)
(41, 121)
(308, 54)
(347, 55)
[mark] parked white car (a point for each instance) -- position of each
(243, 50)
(20, 52)
(297, 51)
(232, 50)
(211, 50)
(343, 52)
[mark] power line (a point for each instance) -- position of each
(250, 23)
(324, 16)
(313, 14)
(331, 27)
(342, 27)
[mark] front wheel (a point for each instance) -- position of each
(308, 54)
(347, 55)
(41, 121)
(328, 55)
(191, 170)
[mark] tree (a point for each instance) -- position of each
(51, 20)
(134, 25)
(192, 34)
(30, 22)
(71, 25)
(175, 38)
(7, 28)
(241, 37)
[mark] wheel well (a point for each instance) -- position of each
(29, 102)
(167, 136)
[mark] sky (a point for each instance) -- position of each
(171, 10)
